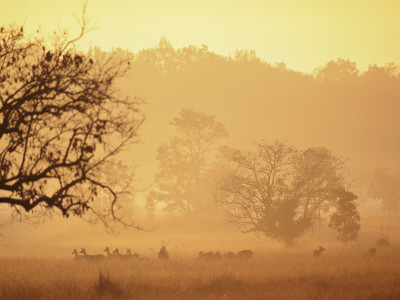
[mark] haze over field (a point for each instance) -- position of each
(205, 125)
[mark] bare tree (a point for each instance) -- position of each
(278, 190)
(61, 120)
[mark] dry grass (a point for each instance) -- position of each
(294, 274)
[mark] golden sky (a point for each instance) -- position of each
(302, 33)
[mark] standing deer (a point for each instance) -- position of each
(163, 253)
(116, 253)
(317, 253)
(78, 257)
(244, 254)
(107, 251)
(94, 258)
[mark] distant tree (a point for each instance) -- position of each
(338, 70)
(61, 121)
(185, 163)
(346, 219)
(381, 74)
(278, 190)
(246, 56)
(119, 176)
(385, 186)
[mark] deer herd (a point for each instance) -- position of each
(163, 255)
(100, 257)
(244, 254)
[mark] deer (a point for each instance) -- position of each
(317, 253)
(244, 254)
(144, 259)
(371, 252)
(129, 254)
(95, 257)
(206, 255)
(384, 240)
(116, 253)
(163, 253)
(78, 257)
(107, 250)
(228, 255)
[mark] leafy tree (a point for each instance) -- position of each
(385, 186)
(183, 178)
(61, 121)
(381, 74)
(339, 69)
(278, 190)
(346, 219)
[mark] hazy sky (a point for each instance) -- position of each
(303, 34)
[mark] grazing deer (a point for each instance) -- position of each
(228, 255)
(244, 254)
(163, 253)
(129, 254)
(78, 257)
(317, 253)
(206, 255)
(95, 257)
(371, 252)
(145, 259)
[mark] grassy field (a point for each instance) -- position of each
(291, 274)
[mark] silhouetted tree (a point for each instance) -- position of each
(61, 121)
(338, 70)
(278, 190)
(346, 219)
(184, 163)
(386, 187)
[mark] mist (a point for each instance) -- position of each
(174, 160)
(337, 106)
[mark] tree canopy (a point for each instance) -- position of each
(277, 190)
(346, 219)
(183, 178)
(339, 105)
(61, 120)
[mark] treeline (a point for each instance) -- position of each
(350, 111)
(64, 122)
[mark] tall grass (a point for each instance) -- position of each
(291, 274)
